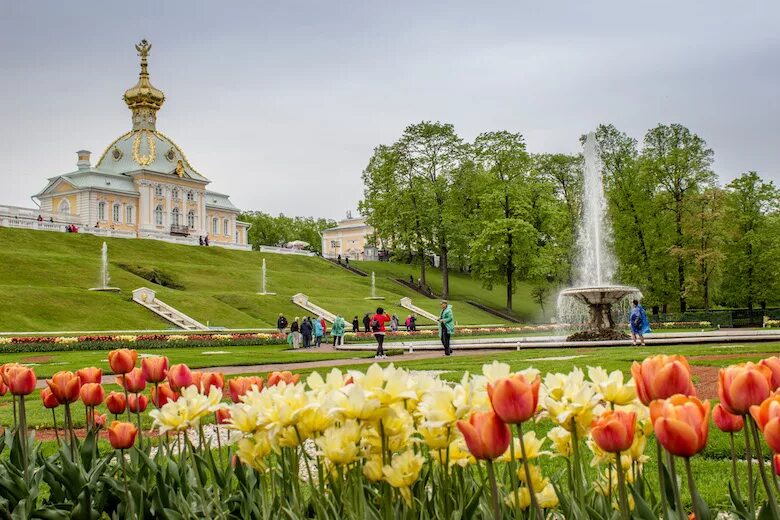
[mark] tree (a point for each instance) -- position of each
(705, 224)
(751, 260)
(679, 163)
(277, 231)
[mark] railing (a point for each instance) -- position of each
(108, 232)
(23, 223)
(285, 251)
(177, 229)
(26, 213)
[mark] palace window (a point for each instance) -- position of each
(190, 196)
(101, 211)
(158, 215)
(175, 194)
(175, 217)
(116, 213)
(158, 191)
(215, 226)
(129, 214)
(226, 227)
(191, 219)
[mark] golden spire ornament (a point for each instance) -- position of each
(143, 99)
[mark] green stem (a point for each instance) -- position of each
(749, 458)
(659, 455)
(513, 475)
(16, 421)
(494, 490)
(71, 433)
(576, 466)
(56, 431)
(124, 472)
(127, 401)
(138, 420)
(23, 436)
(676, 489)
(528, 479)
(623, 496)
(734, 466)
(770, 492)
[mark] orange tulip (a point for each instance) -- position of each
(613, 431)
(285, 376)
(725, 421)
(776, 463)
(662, 376)
(681, 424)
(122, 360)
(121, 435)
(767, 416)
(92, 394)
(65, 386)
(222, 415)
(197, 375)
(742, 386)
(3, 387)
(514, 399)
(137, 402)
(90, 375)
(98, 419)
(239, 386)
(116, 403)
(162, 394)
(209, 379)
(155, 369)
(49, 401)
(179, 376)
(20, 380)
(773, 364)
(486, 435)
(133, 381)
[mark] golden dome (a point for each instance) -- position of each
(144, 99)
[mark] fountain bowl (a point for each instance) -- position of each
(599, 301)
(266, 293)
(604, 295)
(374, 297)
(105, 289)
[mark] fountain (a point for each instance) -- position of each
(373, 289)
(263, 291)
(104, 277)
(591, 301)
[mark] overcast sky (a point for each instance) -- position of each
(280, 104)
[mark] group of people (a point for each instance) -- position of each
(446, 322)
(311, 332)
(203, 241)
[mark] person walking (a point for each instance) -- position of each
(338, 331)
(394, 323)
(355, 325)
(306, 330)
(318, 332)
(413, 323)
(296, 334)
(281, 323)
(408, 322)
(367, 322)
(446, 326)
(378, 328)
(324, 329)
(639, 323)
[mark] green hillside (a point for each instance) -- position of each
(44, 277)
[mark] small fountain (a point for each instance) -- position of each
(373, 289)
(591, 301)
(263, 291)
(104, 277)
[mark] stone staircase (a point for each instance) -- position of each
(406, 303)
(147, 298)
(301, 300)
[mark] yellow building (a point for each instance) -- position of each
(351, 238)
(142, 185)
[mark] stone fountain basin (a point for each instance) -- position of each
(604, 295)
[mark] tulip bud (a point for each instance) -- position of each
(486, 435)
(20, 380)
(681, 424)
(49, 401)
(239, 386)
(179, 376)
(99, 419)
(659, 377)
(121, 435)
(223, 414)
(122, 360)
(209, 379)
(133, 381)
(137, 402)
(767, 417)
(115, 402)
(285, 376)
(92, 394)
(155, 369)
(65, 386)
(90, 375)
(613, 431)
(773, 364)
(197, 375)
(742, 386)
(162, 394)
(725, 421)
(514, 399)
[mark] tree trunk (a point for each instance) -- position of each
(510, 264)
(750, 295)
(680, 262)
(445, 274)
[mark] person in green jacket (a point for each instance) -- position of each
(446, 326)
(337, 331)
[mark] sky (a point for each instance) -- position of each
(280, 104)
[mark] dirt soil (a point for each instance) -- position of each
(707, 385)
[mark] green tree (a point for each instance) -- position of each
(705, 226)
(678, 161)
(268, 230)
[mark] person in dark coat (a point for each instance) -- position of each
(367, 323)
(295, 329)
(306, 332)
(281, 323)
(355, 325)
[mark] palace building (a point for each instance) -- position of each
(142, 185)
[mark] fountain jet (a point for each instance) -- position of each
(104, 276)
(263, 291)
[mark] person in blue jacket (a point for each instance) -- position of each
(639, 323)
(318, 332)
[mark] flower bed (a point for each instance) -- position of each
(388, 443)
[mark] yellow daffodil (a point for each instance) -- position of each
(372, 469)
(353, 402)
(438, 438)
(335, 380)
(546, 498)
(340, 444)
(403, 472)
(561, 441)
(533, 447)
(253, 450)
(611, 386)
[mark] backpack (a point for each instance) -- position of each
(375, 326)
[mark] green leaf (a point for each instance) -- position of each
(642, 509)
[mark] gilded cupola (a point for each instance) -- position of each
(143, 99)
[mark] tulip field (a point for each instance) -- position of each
(561, 433)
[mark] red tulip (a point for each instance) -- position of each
(155, 369)
(681, 424)
(776, 463)
(65, 386)
(49, 401)
(99, 419)
(20, 380)
(162, 394)
(133, 381)
(742, 386)
(613, 431)
(662, 376)
(773, 364)
(725, 421)
(514, 399)
(222, 415)
(209, 379)
(92, 394)
(90, 375)
(486, 435)
(137, 402)
(239, 386)
(121, 435)
(285, 376)
(115, 402)
(197, 375)
(122, 360)
(767, 416)
(179, 376)
(3, 388)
